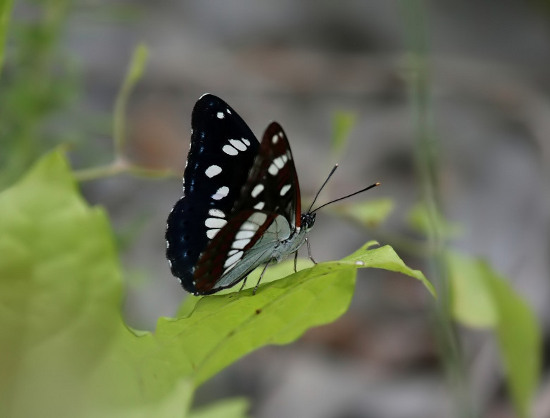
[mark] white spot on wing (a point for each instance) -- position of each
(275, 139)
(233, 259)
(249, 226)
(220, 115)
(277, 164)
(273, 170)
(259, 205)
(246, 141)
(281, 161)
(284, 189)
(211, 233)
(229, 150)
(244, 234)
(238, 144)
(220, 193)
(228, 111)
(213, 170)
(215, 223)
(216, 212)
(257, 190)
(240, 243)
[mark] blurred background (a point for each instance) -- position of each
(300, 63)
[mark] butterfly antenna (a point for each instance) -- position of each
(321, 188)
(345, 197)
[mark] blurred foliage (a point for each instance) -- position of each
(38, 83)
(481, 298)
(342, 124)
(369, 214)
(5, 13)
(420, 219)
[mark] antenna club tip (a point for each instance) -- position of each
(377, 183)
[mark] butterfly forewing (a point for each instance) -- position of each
(272, 185)
(222, 152)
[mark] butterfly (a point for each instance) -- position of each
(241, 202)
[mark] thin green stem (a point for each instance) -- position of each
(134, 73)
(415, 19)
(120, 166)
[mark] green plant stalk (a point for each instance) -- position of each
(414, 16)
(120, 166)
(134, 73)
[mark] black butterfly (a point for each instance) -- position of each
(241, 201)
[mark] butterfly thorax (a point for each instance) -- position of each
(296, 238)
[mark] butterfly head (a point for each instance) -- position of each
(307, 220)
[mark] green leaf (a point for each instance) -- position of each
(342, 124)
(369, 213)
(519, 341)
(223, 328)
(385, 258)
(481, 298)
(472, 303)
(64, 349)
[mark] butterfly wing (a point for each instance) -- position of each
(267, 213)
(222, 152)
(272, 184)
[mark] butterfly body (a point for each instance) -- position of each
(241, 201)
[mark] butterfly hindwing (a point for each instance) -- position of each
(222, 152)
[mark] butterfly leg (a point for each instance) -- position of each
(309, 252)
(244, 282)
(295, 261)
(260, 279)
